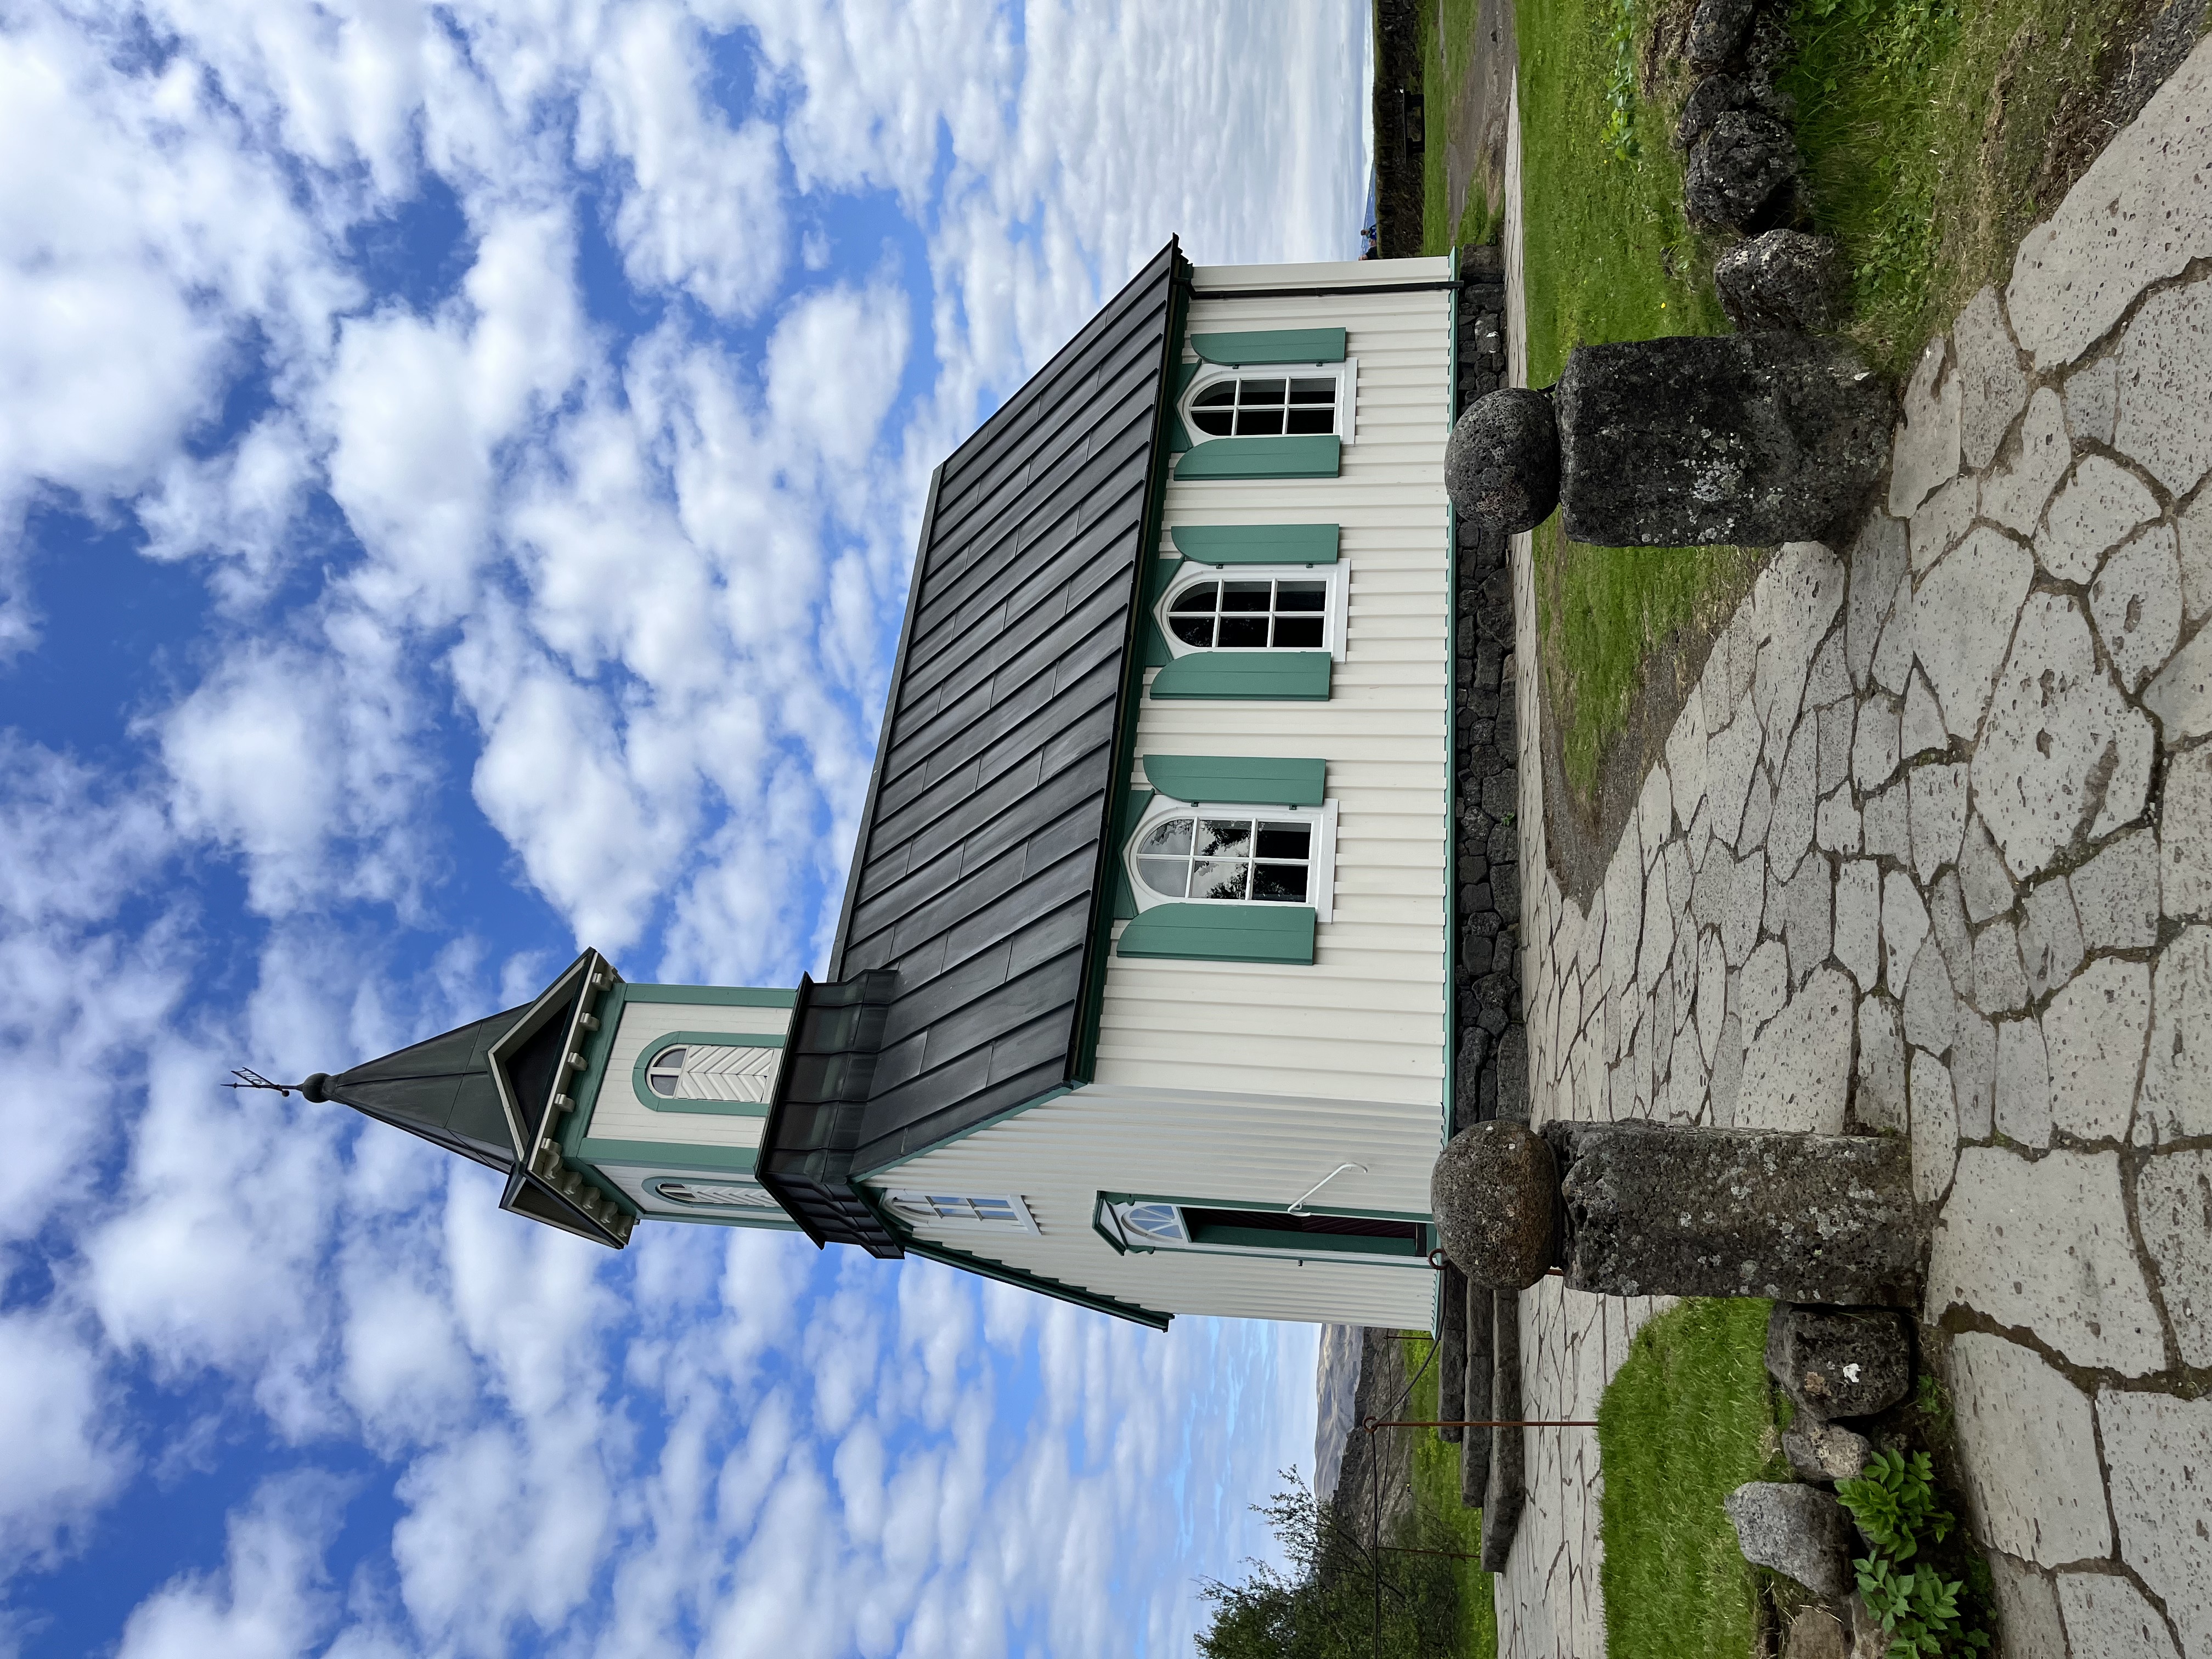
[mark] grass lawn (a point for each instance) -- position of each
(1688, 1419)
(1608, 257)
(1479, 222)
(1442, 1521)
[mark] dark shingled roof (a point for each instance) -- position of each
(982, 865)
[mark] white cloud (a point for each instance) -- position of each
(63, 1452)
(270, 1602)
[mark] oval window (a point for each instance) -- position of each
(665, 1072)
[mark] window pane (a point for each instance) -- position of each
(1219, 881)
(1301, 596)
(1317, 421)
(1196, 630)
(1171, 837)
(1298, 633)
(1280, 840)
(1215, 422)
(1246, 596)
(995, 1209)
(1224, 838)
(1318, 390)
(1280, 884)
(1169, 877)
(1199, 597)
(1258, 423)
(1221, 393)
(1260, 392)
(1242, 632)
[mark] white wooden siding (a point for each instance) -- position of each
(1367, 1021)
(1230, 1149)
(619, 1114)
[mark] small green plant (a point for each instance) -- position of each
(1894, 1504)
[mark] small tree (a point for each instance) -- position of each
(1324, 1605)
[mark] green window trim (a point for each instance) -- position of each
(1178, 434)
(1311, 455)
(1256, 543)
(1232, 780)
(1186, 931)
(1125, 892)
(713, 996)
(674, 1156)
(1273, 345)
(1247, 676)
(700, 1040)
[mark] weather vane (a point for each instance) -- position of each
(249, 1078)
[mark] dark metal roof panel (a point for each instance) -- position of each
(985, 841)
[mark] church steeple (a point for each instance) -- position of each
(494, 1090)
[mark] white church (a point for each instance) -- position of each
(1139, 996)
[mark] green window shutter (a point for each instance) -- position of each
(1258, 676)
(1244, 781)
(1257, 543)
(1125, 896)
(1306, 456)
(1223, 932)
(1274, 345)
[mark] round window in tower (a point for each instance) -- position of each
(665, 1072)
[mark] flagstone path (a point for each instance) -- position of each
(1931, 853)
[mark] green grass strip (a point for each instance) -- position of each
(1688, 1419)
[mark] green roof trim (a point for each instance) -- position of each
(946, 1256)
(1247, 676)
(715, 996)
(670, 1155)
(667, 1040)
(1223, 932)
(1318, 455)
(1258, 543)
(1243, 781)
(1272, 346)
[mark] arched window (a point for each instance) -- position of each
(1268, 404)
(715, 1195)
(665, 1072)
(965, 1209)
(1157, 1221)
(1236, 858)
(1251, 613)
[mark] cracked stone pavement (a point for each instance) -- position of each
(1929, 851)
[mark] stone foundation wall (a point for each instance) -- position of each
(1487, 1029)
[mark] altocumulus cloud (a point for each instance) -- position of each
(459, 466)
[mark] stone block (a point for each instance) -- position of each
(1879, 561)
(2173, 1207)
(1753, 440)
(1938, 796)
(2014, 492)
(2165, 421)
(2000, 983)
(1745, 908)
(1796, 1074)
(1824, 1451)
(2023, 1084)
(1839, 1362)
(2137, 602)
(1939, 522)
(1992, 386)
(1858, 921)
(2159, 1449)
(1718, 32)
(1878, 1101)
(2029, 1443)
(2093, 1031)
(1816, 1633)
(1893, 653)
(1983, 882)
(1657, 1209)
(2049, 936)
(2063, 755)
(2108, 1618)
(2028, 1611)
(1885, 824)
(1973, 1074)
(1451, 1353)
(1904, 926)
(2185, 836)
(1926, 453)
(1731, 756)
(1963, 615)
(1873, 742)
(2116, 893)
(1799, 1531)
(1784, 279)
(1947, 918)
(1480, 1378)
(1507, 1491)
(1932, 1007)
(1836, 828)
(1800, 912)
(1502, 461)
(1742, 175)
(2194, 528)
(1493, 1192)
(2139, 215)
(1763, 987)
(2045, 1245)
(2101, 505)
(1934, 1124)
(2091, 399)
(2181, 695)
(1789, 830)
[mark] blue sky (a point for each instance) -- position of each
(458, 469)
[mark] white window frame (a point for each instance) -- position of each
(1334, 577)
(1346, 373)
(921, 1206)
(1320, 897)
(756, 1200)
(1138, 1238)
